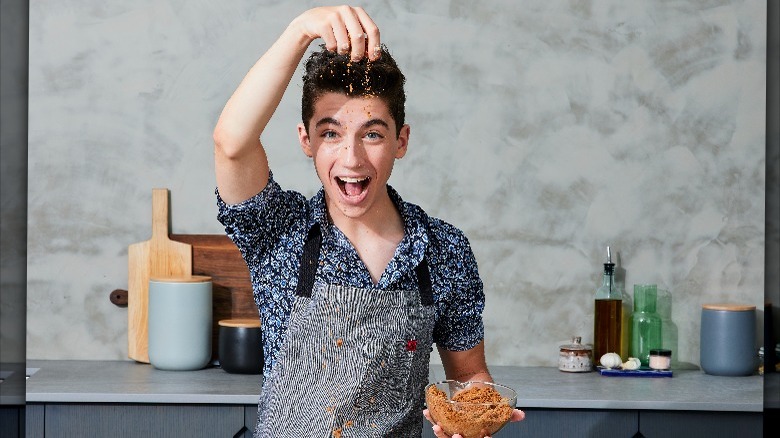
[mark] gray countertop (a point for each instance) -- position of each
(12, 384)
(82, 381)
(538, 387)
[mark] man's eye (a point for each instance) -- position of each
(329, 134)
(374, 135)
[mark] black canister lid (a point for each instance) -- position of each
(240, 322)
(660, 352)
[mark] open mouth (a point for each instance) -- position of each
(352, 186)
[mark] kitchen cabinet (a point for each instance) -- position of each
(130, 399)
(77, 420)
(12, 388)
(588, 423)
(700, 424)
(10, 421)
(122, 398)
(128, 420)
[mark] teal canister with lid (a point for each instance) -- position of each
(728, 339)
(180, 322)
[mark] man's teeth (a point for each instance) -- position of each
(347, 179)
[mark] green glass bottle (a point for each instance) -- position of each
(646, 331)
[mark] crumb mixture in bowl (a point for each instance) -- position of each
(472, 409)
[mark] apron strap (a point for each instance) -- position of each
(424, 282)
(310, 259)
(308, 268)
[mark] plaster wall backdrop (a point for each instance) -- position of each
(546, 132)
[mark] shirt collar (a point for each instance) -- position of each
(319, 212)
(412, 248)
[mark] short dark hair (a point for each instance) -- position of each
(329, 72)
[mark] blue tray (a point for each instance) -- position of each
(642, 372)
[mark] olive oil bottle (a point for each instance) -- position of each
(608, 316)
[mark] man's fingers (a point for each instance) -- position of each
(339, 27)
(371, 43)
(357, 37)
(358, 46)
(329, 39)
(439, 432)
(345, 30)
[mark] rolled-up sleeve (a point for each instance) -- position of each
(255, 224)
(460, 298)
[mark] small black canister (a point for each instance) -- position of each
(240, 346)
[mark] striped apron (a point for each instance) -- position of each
(354, 362)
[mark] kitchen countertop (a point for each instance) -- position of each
(11, 384)
(84, 381)
(538, 387)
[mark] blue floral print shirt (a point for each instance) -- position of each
(271, 227)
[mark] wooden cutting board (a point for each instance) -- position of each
(216, 256)
(158, 256)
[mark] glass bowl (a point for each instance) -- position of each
(472, 409)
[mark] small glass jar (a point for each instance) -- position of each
(660, 359)
(575, 357)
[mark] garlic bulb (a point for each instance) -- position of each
(632, 364)
(611, 360)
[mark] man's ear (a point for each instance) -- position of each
(303, 139)
(403, 141)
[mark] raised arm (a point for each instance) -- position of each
(241, 164)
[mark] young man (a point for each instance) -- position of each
(354, 285)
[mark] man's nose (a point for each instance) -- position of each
(352, 151)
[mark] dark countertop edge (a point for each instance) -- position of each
(772, 391)
(642, 405)
(199, 399)
(12, 400)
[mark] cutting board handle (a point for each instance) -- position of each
(161, 214)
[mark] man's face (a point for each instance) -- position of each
(354, 145)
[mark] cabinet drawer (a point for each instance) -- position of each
(700, 424)
(567, 423)
(140, 420)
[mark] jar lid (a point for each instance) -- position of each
(729, 307)
(661, 352)
(240, 322)
(180, 279)
(576, 345)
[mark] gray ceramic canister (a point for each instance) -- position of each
(728, 339)
(180, 317)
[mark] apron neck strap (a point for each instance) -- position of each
(424, 282)
(308, 268)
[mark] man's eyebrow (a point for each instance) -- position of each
(373, 122)
(367, 124)
(327, 121)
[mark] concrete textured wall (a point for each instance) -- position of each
(546, 132)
